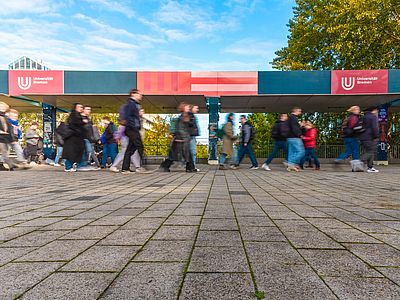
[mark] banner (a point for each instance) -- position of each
(30, 82)
(359, 82)
(198, 83)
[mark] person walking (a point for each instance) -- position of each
(59, 143)
(294, 143)
(369, 138)
(350, 130)
(310, 142)
(180, 146)
(227, 142)
(32, 140)
(91, 137)
(246, 136)
(194, 132)
(73, 135)
(6, 136)
(110, 148)
(13, 116)
(279, 133)
(132, 130)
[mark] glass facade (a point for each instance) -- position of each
(26, 63)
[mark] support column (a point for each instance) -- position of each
(49, 127)
(213, 106)
(382, 153)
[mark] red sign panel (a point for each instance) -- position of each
(25, 82)
(198, 83)
(359, 82)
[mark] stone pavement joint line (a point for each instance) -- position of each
(216, 234)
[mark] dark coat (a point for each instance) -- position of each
(294, 126)
(131, 114)
(6, 130)
(371, 126)
(74, 146)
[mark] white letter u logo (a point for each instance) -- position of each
(348, 83)
(24, 83)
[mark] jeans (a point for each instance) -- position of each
(68, 164)
(135, 159)
(295, 150)
(249, 151)
(16, 146)
(352, 147)
(59, 154)
(277, 146)
(4, 155)
(109, 150)
(369, 150)
(193, 145)
(135, 143)
(310, 153)
(90, 153)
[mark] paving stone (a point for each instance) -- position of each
(90, 233)
(254, 221)
(176, 233)
(328, 223)
(144, 223)
(16, 278)
(111, 220)
(391, 273)
(337, 263)
(262, 234)
(102, 259)
(39, 222)
(350, 236)
(372, 227)
(67, 225)
(58, 251)
(218, 259)
(71, 286)
(294, 225)
(313, 239)
(183, 220)
(165, 251)
(9, 233)
(363, 288)
(217, 286)
(34, 239)
(9, 254)
(218, 238)
(147, 281)
(219, 224)
(390, 239)
(376, 254)
(127, 237)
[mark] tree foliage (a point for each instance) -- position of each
(342, 34)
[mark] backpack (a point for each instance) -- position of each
(64, 131)
(356, 129)
(220, 132)
(280, 131)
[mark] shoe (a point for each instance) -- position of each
(234, 167)
(141, 170)
(56, 165)
(87, 168)
(197, 170)
(317, 169)
(70, 170)
(52, 163)
(114, 169)
(222, 167)
(285, 163)
(372, 170)
(32, 163)
(292, 168)
(163, 170)
(126, 172)
(309, 167)
(254, 168)
(266, 167)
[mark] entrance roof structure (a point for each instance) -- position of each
(263, 91)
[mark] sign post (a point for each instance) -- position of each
(49, 127)
(383, 146)
(213, 106)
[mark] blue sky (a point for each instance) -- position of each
(196, 35)
(145, 34)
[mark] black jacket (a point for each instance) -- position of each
(294, 127)
(6, 130)
(193, 125)
(131, 114)
(245, 133)
(371, 126)
(280, 131)
(109, 133)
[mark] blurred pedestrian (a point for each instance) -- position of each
(32, 140)
(228, 139)
(294, 143)
(310, 142)
(279, 133)
(369, 138)
(246, 137)
(110, 148)
(194, 132)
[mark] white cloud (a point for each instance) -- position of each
(117, 6)
(253, 47)
(12, 7)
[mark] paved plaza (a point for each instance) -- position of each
(244, 234)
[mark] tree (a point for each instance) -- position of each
(158, 139)
(262, 124)
(342, 34)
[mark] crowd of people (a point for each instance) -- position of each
(80, 147)
(298, 139)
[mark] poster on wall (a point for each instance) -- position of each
(32, 82)
(359, 82)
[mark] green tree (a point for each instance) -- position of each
(342, 34)
(262, 124)
(157, 140)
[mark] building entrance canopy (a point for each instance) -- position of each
(264, 91)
